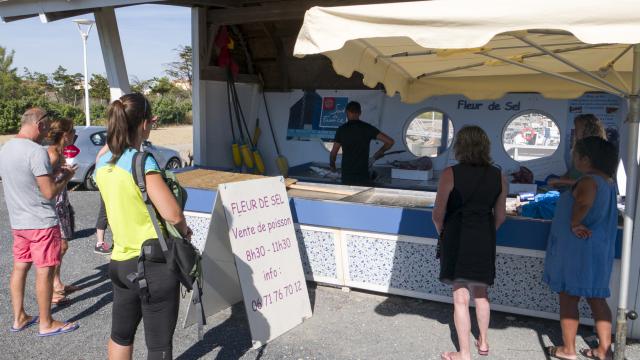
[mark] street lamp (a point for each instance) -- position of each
(84, 26)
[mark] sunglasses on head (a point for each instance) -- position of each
(46, 115)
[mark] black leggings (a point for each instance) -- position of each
(102, 222)
(160, 314)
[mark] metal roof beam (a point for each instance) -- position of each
(569, 63)
(275, 11)
(14, 8)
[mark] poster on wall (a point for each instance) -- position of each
(606, 107)
(317, 117)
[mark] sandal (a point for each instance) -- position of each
(68, 289)
(482, 352)
(63, 300)
(590, 354)
(553, 351)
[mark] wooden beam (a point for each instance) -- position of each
(270, 29)
(278, 10)
(216, 73)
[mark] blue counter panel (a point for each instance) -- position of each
(515, 232)
(364, 217)
(199, 200)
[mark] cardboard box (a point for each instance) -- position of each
(419, 175)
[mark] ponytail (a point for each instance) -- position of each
(124, 116)
(57, 129)
(118, 130)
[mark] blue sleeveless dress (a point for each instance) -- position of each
(582, 267)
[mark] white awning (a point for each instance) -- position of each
(481, 49)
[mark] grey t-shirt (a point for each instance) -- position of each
(21, 161)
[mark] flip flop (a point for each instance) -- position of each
(34, 320)
(553, 350)
(589, 354)
(61, 330)
(482, 352)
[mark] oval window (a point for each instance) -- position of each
(425, 133)
(531, 135)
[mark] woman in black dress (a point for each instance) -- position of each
(469, 208)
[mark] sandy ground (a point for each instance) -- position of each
(179, 138)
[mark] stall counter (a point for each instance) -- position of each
(384, 240)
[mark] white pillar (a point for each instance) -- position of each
(630, 213)
(199, 93)
(107, 27)
(87, 111)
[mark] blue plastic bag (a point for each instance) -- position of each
(543, 206)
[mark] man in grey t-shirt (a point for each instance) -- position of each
(30, 192)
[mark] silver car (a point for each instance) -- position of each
(90, 139)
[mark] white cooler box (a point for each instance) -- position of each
(419, 175)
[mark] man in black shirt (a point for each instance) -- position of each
(354, 137)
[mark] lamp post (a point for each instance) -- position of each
(84, 26)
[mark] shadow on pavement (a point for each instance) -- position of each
(103, 288)
(232, 337)
(84, 233)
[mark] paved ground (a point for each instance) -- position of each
(354, 325)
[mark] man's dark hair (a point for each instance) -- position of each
(602, 154)
(354, 107)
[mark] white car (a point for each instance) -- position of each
(90, 139)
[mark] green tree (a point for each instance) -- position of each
(140, 86)
(183, 68)
(10, 83)
(68, 87)
(162, 86)
(36, 84)
(6, 61)
(99, 88)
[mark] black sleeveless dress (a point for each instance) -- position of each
(468, 251)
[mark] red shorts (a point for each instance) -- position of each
(39, 246)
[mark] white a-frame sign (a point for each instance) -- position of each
(251, 253)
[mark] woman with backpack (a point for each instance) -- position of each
(129, 123)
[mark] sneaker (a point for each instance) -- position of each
(102, 249)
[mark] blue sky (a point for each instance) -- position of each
(149, 33)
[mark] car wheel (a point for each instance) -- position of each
(173, 163)
(89, 183)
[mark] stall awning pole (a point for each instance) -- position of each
(630, 206)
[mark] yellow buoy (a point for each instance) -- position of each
(256, 136)
(259, 163)
(283, 165)
(237, 158)
(246, 156)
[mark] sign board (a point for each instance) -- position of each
(264, 243)
(252, 232)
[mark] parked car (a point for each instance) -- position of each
(90, 139)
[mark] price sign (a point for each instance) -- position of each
(263, 241)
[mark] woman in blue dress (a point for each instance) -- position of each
(581, 246)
